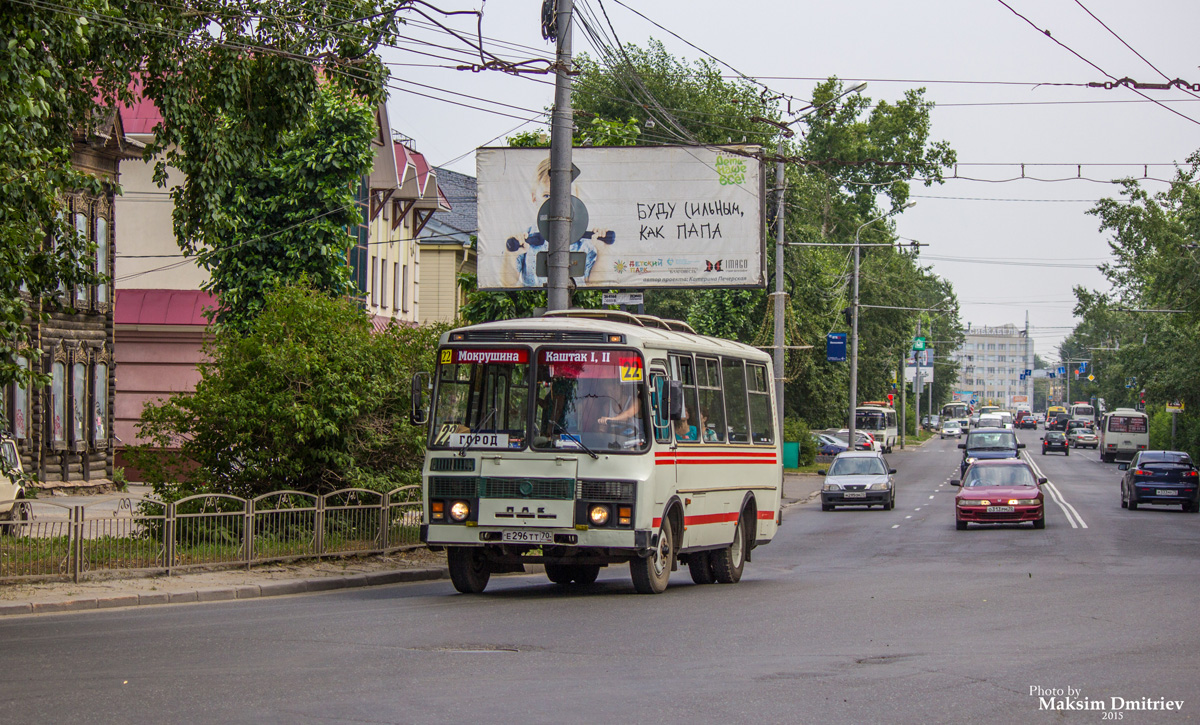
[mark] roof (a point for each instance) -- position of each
(162, 307)
(461, 220)
(860, 454)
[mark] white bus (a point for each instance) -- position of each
(589, 437)
(1123, 433)
(1083, 411)
(878, 419)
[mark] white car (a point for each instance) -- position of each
(951, 428)
(862, 437)
(12, 487)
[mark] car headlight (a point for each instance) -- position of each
(459, 511)
(831, 487)
(598, 514)
(883, 486)
(974, 502)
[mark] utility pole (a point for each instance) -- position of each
(903, 397)
(1028, 366)
(562, 126)
(777, 363)
(917, 383)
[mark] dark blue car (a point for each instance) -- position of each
(827, 445)
(984, 444)
(1161, 477)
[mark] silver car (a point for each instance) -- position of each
(858, 478)
(951, 428)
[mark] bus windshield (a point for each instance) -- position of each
(590, 400)
(482, 399)
(1126, 424)
(870, 420)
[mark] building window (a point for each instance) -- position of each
(78, 404)
(14, 403)
(374, 281)
(58, 404)
(100, 406)
(81, 229)
(383, 297)
(102, 260)
(395, 285)
(404, 292)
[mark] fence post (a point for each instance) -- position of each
(248, 533)
(76, 542)
(320, 526)
(169, 536)
(384, 521)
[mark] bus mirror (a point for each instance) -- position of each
(419, 414)
(674, 401)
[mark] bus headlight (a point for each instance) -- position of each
(598, 515)
(459, 511)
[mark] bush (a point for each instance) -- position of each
(797, 431)
(308, 397)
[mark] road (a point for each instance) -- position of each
(850, 616)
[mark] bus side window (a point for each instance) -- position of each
(660, 414)
(712, 406)
(762, 423)
(735, 400)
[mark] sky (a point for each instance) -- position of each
(1009, 245)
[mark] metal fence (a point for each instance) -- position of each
(70, 542)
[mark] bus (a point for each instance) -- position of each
(1083, 411)
(955, 411)
(878, 419)
(587, 438)
(1123, 433)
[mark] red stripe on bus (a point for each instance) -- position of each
(699, 519)
(718, 452)
(766, 515)
(721, 462)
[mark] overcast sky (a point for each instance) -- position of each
(1007, 247)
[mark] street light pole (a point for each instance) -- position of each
(850, 439)
(558, 294)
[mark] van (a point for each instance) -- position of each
(12, 487)
(1123, 433)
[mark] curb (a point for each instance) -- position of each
(223, 594)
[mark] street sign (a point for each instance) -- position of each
(974, 401)
(1062, 370)
(1028, 372)
(1083, 366)
(1175, 406)
(918, 343)
(1091, 378)
(579, 221)
(835, 347)
(1051, 374)
(622, 298)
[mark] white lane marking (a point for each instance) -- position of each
(917, 508)
(1057, 496)
(896, 526)
(908, 517)
(931, 497)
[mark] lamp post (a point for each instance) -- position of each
(780, 188)
(850, 439)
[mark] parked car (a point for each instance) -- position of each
(1055, 440)
(951, 428)
(999, 491)
(931, 422)
(1084, 438)
(864, 442)
(1161, 478)
(827, 445)
(858, 478)
(13, 511)
(989, 443)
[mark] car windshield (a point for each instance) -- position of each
(999, 476)
(992, 441)
(1054, 436)
(857, 467)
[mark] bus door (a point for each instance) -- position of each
(663, 476)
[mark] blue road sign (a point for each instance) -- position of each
(1051, 374)
(1083, 366)
(974, 401)
(835, 347)
(1062, 371)
(1028, 372)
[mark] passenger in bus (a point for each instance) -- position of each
(685, 431)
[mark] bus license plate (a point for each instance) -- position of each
(1165, 492)
(527, 537)
(1000, 509)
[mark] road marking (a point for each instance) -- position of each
(1058, 498)
(896, 526)
(931, 497)
(917, 508)
(908, 517)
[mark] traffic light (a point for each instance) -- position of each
(848, 314)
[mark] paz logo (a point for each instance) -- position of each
(712, 266)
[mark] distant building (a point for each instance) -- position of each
(446, 250)
(991, 361)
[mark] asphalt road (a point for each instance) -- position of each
(850, 616)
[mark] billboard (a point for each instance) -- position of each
(658, 216)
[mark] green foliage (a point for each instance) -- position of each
(796, 430)
(308, 398)
(288, 217)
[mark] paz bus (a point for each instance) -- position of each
(956, 410)
(1123, 433)
(589, 438)
(879, 419)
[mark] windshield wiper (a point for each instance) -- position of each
(467, 443)
(578, 439)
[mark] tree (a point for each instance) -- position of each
(307, 397)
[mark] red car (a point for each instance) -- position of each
(1000, 491)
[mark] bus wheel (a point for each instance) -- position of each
(700, 566)
(729, 562)
(650, 574)
(468, 569)
(565, 574)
